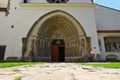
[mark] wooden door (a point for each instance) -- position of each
(2, 52)
(61, 55)
(55, 53)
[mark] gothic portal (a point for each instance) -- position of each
(56, 36)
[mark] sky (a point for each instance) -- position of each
(109, 3)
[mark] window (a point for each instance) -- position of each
(5, 6)
(112, 44)
(25, 1)
(57, 1)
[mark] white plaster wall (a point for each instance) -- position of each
(107, 19)
(23, 19)
(70, 1)
(9, 36)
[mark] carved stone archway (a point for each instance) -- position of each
(56, 25)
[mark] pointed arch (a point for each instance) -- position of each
(57, 25)
(58, 13)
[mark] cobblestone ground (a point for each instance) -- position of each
(58, 71)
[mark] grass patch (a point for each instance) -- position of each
(13, 64)
(16, 70)
(115, 65)
(18, 78)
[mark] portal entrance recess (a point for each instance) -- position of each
(57, 36)
(58, 51)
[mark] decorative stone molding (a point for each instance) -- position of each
(54, 6)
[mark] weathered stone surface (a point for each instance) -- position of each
(59, 71)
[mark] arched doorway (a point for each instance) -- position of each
(57, 27)
(111, 57)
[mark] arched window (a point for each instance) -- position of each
(57, 1)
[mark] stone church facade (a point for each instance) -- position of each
(57, 31)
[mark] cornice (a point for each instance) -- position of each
(108, 31)
(54, 6)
